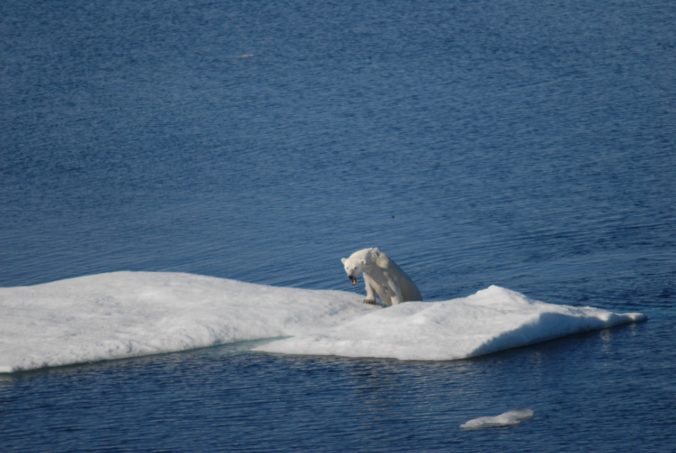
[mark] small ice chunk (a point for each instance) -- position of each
(509, 418)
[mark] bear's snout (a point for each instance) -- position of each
(353, 279)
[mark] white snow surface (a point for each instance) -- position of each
(126, 314)
(505, 419)
(488, 321)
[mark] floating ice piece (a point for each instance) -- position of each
(127, 314)
(506, 419)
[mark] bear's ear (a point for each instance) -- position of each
(342, 260)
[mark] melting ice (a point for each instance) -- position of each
(126, 314)
(505, 419)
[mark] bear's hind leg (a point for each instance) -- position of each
(397, 297)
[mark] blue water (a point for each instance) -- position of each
(526, 144)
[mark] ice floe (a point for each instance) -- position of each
(127, 314)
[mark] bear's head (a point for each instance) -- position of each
(357, 263)
(353, 268)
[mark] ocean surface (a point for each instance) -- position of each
(525, 144)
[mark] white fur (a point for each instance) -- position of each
(382, 277)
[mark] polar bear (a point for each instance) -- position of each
(382, 277)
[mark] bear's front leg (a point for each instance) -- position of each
(370, 293)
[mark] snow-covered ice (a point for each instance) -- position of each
(126, 314)
(488, 321)
(505, 419)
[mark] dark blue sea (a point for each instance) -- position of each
(529, 144)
